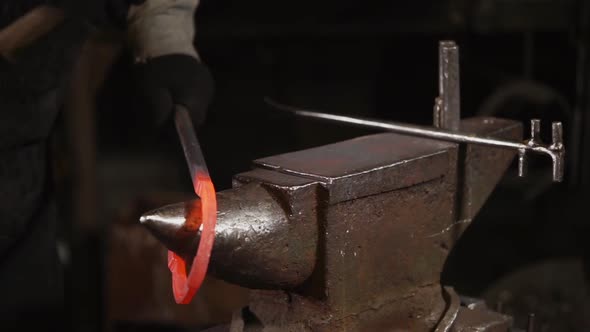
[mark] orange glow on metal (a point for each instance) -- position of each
(183, 287)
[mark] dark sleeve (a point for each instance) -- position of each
(32, 85)
(10, 10)
(96, 12)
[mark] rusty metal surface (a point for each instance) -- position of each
(483, 167)
(481, 320)
(380, 247)
(298, 196)
(416, 311)
(256, 243)
(366, 165)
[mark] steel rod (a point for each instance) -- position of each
(434, 133)
(447, 114)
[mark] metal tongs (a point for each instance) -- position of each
(185, 285)
(190, 144)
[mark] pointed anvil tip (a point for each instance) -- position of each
(251, 235)
(168, 225)
(172, 215)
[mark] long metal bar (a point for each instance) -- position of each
(402, 128)
(447, 109)
(415, 130)
(556, 153)
(190, 143)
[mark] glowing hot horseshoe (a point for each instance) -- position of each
(185, 287)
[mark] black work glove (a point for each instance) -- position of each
(174, 79)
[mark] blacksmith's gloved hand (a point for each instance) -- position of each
(173, 79)
(168, 68)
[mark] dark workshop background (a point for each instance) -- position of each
(528, 250)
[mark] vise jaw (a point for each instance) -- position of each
(350, 236)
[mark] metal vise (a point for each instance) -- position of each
(351, 236)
